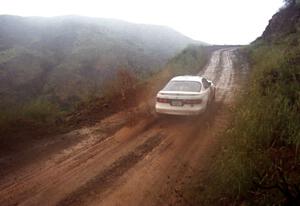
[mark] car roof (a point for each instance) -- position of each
(187, 78)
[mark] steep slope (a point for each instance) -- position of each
(66, 58)
(283, 24)
(259, 165)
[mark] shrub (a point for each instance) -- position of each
(191, 60)
(41, 111)
(260, 162)
(36, 112)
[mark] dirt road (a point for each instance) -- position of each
(130, 158)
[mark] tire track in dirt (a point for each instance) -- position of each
(220, 70)
(210, 69)
(36, 185)
(184, 152)
(142, 185)
(227, 80)
(89, 137)
(111, 174)
(219, 67)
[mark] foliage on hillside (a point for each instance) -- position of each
(123, 90)
(261, 161)
(190, 61)
(64, 59)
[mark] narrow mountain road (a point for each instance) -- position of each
(126, 160)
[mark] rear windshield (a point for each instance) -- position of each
(183, 86)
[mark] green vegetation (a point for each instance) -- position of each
(40, 112)
(261, 159)
(63, 59)
(33, 114)
(51, 68)
(260, 162)
(191, 60)
(7, 55)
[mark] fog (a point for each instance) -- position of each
(216, 22)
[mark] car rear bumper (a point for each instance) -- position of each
(179, 110)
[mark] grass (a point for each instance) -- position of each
(259, 164)
(34, 113)
(7, 55)
(190, 61)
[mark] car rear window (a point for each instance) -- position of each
(183, 86)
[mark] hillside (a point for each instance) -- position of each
(64, 59)
(259, 164)
(284, 24)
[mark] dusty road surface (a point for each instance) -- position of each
(130, 158)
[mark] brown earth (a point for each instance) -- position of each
(133, 157)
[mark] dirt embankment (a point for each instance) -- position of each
(130, 158)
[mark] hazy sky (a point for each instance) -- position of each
(213, 21)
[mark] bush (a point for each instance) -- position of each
(260, 162)
(191, 60)
(41, 111)
(34, 113)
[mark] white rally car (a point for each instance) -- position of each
(185, 95)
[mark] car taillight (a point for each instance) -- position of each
(163, 100)
(193, 101)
